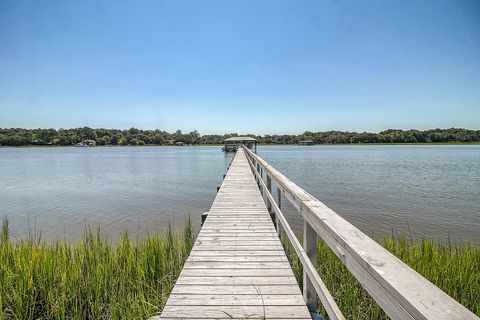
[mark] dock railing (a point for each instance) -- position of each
(398, 289)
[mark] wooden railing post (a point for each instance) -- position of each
(269, 188)
(267, 200)
(279, 204)
(261, 177)
(258, 170)
(310, 247)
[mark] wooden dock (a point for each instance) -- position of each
(237, 267)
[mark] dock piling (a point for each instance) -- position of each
(310, 247)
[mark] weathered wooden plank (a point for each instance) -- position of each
(247, 242)
(238, 208)
(236, 264)
(218, 223)
(228, 318)
(246, 220)
(236, 234)
(239, 253)
(232, 214)
(237, 248)
(239, 259)
(227, 280)
(242, 312)
(235, 300)
(237, 223)
(224, 239)
(212, 237)
(240, 226)
(236, 272)
(236, 289)
(239, 231)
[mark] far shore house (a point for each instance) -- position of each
(39, 142)
(306, 143)
(233, 143)
(87, 143)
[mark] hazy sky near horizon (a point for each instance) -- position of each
(240, 66)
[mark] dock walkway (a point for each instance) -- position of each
(237, 268)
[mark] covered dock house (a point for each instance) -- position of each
(306, 143)
(232, 144)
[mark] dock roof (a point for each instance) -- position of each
(241, 139)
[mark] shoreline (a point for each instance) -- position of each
(264, 145)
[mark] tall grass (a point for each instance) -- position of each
(454, 269)
(95, 279)
(89, 279)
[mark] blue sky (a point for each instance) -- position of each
(240, 66)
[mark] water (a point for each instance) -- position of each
(427, 190)
(138, 189)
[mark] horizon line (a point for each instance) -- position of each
(211, 134)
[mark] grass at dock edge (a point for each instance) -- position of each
(95, 279)
(92, 278)
(454, 269)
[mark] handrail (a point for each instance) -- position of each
(320, 287)
(399, 290)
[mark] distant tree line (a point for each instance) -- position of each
(133, 136)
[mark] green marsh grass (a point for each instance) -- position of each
(96, 279)
(92, 278)
(454, 269)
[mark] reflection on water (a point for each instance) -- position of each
(433, 190)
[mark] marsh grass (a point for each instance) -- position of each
(454, 269)
(92, 278)
(96, 279)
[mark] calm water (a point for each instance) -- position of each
(429, 190)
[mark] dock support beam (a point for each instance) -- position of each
(279, 204)
(269, 205)
(310, 247)
(204, 217)
(258, 170)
